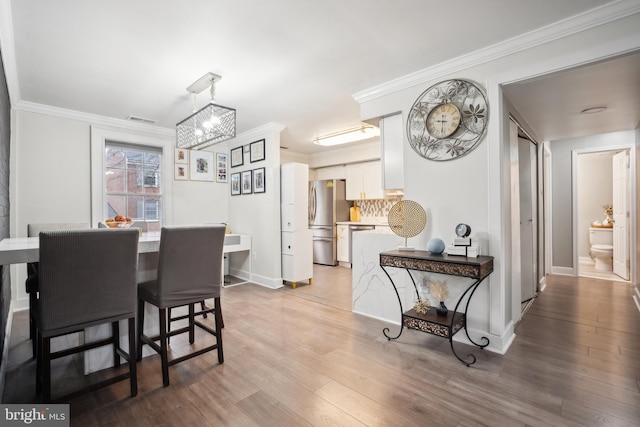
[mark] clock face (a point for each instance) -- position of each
(434, 129)
(463, 230)
(443, 121)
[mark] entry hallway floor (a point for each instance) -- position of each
(296, 361)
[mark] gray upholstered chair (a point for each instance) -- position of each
(189, 271)
(31, 284)
(86, 278)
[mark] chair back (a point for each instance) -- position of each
(190, 263)
(86, 278)
(33, 230)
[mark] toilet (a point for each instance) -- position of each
(601, 241)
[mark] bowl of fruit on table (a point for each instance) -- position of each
(118, 221)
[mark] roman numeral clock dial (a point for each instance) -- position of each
(443, 121)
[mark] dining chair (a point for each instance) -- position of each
(31, 284)
(87, 278)
(189, 271)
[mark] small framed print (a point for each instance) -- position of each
(257, 151)
(221, 167)
(201, 165)
(246, 182)
(181, 156)
(181, 172)
(235, 184)
(237, 157)
(258, 180)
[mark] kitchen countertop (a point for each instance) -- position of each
(367, 221)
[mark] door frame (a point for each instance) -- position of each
(632, 202)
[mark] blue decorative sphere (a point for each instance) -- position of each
(435, 246)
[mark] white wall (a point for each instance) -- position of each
(475, 188)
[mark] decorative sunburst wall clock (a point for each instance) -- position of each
(448, 120)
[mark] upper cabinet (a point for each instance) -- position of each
(364, 181)
(392, 157)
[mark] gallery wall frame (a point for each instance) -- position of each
(235, 184)
(259, 184)
(247, 184)
(221, 167)
(201, 166)
(256, 152)
(237, 157)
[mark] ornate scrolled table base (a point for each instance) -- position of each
(477, 268)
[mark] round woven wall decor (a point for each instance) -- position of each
(407, 219)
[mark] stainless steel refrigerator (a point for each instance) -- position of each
(327, 205)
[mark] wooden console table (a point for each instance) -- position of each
(445, 326)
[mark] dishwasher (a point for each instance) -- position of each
(354, 229)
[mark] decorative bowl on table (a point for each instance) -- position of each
(112, 223)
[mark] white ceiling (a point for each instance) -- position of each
(293, 62)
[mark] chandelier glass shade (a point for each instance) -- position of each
(209, 125)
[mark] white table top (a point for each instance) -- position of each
(18, 250)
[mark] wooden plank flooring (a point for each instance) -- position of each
(298, 357)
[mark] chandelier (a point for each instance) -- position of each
(209, 125)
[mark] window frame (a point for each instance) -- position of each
(99, 140)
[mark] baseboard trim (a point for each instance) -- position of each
(636, 298)
(5, 350)
(563, 271)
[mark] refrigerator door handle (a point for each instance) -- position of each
(312, 203)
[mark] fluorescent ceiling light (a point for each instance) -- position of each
(350, 135)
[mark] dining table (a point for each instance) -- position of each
(21, 250)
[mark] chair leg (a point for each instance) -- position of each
(115, 336)
(163, 346)
(39, 365)
(133, 380)
(192, 325)
(45, 368)
(33, 300)
(203, 307)
(140, 328)
(218, 319)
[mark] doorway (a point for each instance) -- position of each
(602, 181)
(524, 214)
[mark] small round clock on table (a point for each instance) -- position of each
(463, 230)
(448, 120)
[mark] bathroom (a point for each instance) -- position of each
(595, 189)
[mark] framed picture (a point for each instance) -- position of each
(237, 157)
(258, 180)
(246, 182)
(221, 167)
(181, 172)
(235, 184)
(257, 151)
(181, 156)
(201, 167)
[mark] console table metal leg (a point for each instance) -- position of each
(466, 308)
(386, 330)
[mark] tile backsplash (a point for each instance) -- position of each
(376, 208)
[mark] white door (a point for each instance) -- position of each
(620, 215)
(527, 183)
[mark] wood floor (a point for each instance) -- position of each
(295, 359)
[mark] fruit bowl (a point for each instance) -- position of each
(118, 224)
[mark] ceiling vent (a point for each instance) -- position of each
(140, 120)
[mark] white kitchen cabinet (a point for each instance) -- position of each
(296, 237)
(364, 181)
(392, 155)
(343, 243)
(331, 172)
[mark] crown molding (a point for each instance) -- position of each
(586, 20)
(94, 119)
(257, 132)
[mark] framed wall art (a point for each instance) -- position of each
(257, 151)
(201, 166)
(237, 157)
(181, 172)
(221, 167)
(246, 182)
(181, 156)
(235, 184)
(258, 180)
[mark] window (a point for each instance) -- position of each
(133, 182)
